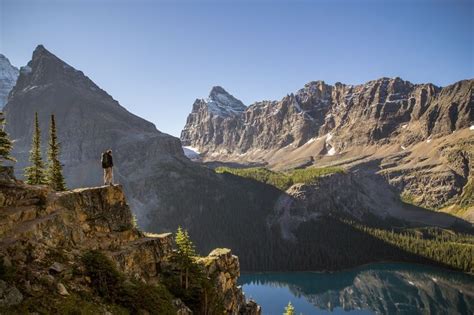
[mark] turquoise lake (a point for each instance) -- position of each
(372, 289)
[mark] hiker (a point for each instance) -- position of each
(107, 165)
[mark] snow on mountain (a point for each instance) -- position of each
(191, 153)
(8, 76)
(221, 103)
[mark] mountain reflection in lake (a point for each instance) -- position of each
(372, 289)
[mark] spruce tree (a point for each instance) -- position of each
(186, 254)
(35, 174)
(289, 309)
(6, 144)
(55, 172)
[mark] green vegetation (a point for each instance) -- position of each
(289, 309)
(332, 243)
(73, 304)
(7, 273)
(281, 180)
(134, 296)
(55, 171)
(445, 247)
(186, 254)
(197, 290)
(35, 174)
(6, 144)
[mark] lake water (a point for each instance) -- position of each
(372, 289)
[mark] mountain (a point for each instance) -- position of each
(166, 190)
(418, 137)
(89, 121)
(377, 112)
(8, 76)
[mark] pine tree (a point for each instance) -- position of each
(35, 174)
(289, 309)
(6, 144)
(55, 176)
(186, 254)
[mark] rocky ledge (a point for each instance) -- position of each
(44, 235)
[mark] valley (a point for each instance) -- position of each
(317, 184)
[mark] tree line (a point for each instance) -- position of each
(281, 180)
(37, 173)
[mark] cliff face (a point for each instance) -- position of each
(44, 234)
(8, 76)
(377, 112)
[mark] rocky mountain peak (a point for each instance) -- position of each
(45, 68)
(8, 77)
(222, 103)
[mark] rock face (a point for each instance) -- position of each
(377, 112)
(351, 194)
(8, 76)
(224, 267)
(36, 222)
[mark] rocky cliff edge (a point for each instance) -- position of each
(44, 234)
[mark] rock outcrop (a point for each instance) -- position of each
(8, 76)
(352, 194)
(224, 268)
(44, 233)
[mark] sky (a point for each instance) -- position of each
(157, 57)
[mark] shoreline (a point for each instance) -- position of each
(355, 268)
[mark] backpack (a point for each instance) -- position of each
(105, 160)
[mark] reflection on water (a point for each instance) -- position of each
(373, 289)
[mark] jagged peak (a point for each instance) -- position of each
(216, 90)
(222, 103)
(41, 52)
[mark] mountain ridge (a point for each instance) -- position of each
(319, 108)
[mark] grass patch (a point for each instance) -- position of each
(281, 180)
(134, 296)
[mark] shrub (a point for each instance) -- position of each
(113, 286)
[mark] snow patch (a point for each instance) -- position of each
(26, 70)
(328, 136)
(191, 152)
(411, 283)
(471, 128)
(404, 126)
(331, 151)
(428, 141)
(403, 147)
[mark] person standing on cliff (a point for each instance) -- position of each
(107, 165)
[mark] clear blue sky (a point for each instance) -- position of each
(157, 57)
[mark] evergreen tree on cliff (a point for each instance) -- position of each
(186, 254)
(54, 173)
(35, 174)
(6, 144)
